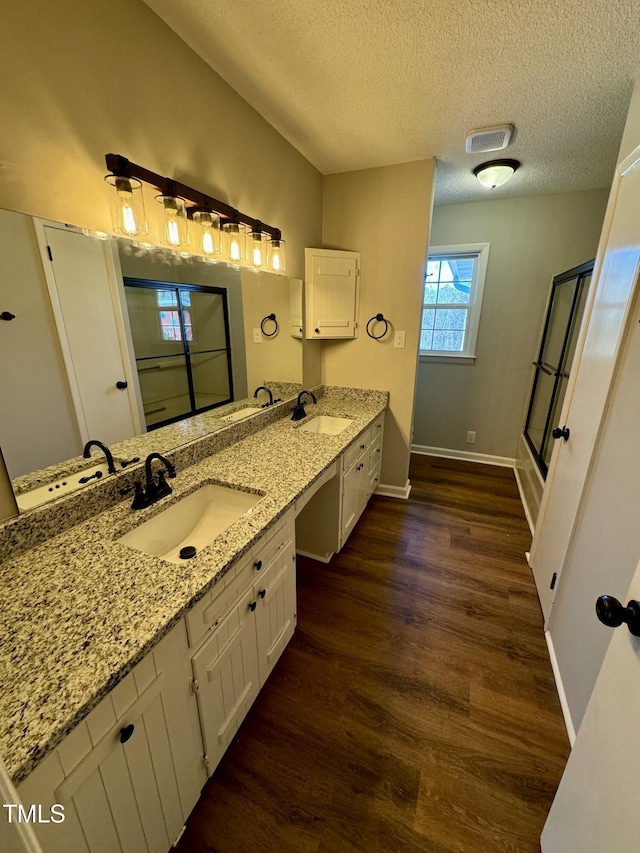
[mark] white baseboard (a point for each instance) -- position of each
(319, 558)
(447, 453)
(571, 732)
(523, 501)
(401, 492)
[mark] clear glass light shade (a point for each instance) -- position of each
(257, 250)
(175, 231)
(128, 216)
(208, 237)
(234, 246)
(495, 173)
(276, 256)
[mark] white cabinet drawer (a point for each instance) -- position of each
(359, 446)
(208, 612)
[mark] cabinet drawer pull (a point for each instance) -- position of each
(362, 446)
(126, 732)
(262, 593)
(257, 566)
(253, 606)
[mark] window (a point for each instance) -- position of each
(453, 286)
(170, 327)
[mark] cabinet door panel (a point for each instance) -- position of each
(331, 293)
(226, 669)
(143, 778)
(276, 614)
(164, 775)
(122, 801)
(95, 816)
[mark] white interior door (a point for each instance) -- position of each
(614, 279)
(596, 806)
(82, 302)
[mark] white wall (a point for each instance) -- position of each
(532, 239)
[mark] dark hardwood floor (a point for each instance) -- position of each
(415, 708)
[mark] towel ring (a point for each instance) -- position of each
(379, 318)
(271, 317)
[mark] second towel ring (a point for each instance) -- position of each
(271, 317)
(379, 318)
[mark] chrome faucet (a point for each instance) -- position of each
(86, 453)
(298, 411)
(155, 487)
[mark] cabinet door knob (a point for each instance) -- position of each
(262, 593)
(126, 732)
(253, 606)
(258, 565)
(121, 384)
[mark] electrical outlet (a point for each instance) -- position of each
(257, 336)
(471, 437)
(398, 340)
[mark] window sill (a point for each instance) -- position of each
(449, 358)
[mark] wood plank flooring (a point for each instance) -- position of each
(415, 708)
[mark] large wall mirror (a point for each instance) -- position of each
(109, 340)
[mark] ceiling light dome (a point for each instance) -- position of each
(495, 172)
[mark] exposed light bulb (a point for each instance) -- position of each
(127, 207)
(277, 254)
(172, 230)
(234, 249)
(128, 223)
(208, 245)
(256, 249)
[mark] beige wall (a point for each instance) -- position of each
(383, 213)
(532, 239)
(82, 79)
(278, 357)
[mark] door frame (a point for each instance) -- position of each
(586, 402)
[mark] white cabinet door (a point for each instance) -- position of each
(226, 671)
(276, 612)
(331, 293)
(129, 774)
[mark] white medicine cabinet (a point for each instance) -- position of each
(331, 293)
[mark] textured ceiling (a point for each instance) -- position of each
(359, 83)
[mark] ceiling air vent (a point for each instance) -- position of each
(489, 139)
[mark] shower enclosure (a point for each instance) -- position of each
(562, 325)
(182, 348)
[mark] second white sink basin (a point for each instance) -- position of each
(194, 521)
(326, 425)
(240, 414)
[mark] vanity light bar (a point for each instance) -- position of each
(120, 167)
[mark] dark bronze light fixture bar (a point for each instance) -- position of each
(120, 167)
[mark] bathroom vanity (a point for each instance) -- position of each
(129, 673)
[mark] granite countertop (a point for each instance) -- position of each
(80, 610)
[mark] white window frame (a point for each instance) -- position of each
(474, 306)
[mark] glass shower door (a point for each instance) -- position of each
(182, 348)
(562, 325)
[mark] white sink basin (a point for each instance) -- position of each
(195, 520)
(240, 414)
(326, 425)
(62, 486)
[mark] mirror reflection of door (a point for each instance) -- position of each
(182, 348)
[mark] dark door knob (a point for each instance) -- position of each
(126, 732)
(7, 315)
(610, 612)
(253, 606)
(561, 432)
(121, 384)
